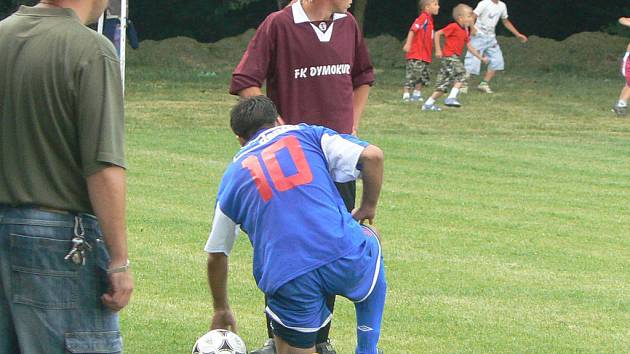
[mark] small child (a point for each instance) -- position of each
(452, 71)
(621, 108)
(419, 49)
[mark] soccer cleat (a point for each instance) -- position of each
(417, 98)
(620, 111)
(325, 348)
(431, 108)
(452, 102)
(484, 87)
(268, 348)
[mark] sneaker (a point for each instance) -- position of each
(417, 98)
(406, 99)
(484, 87)
(268, 348)
(620, 111)
(432, 108)
(325, 348)
(464, 88)
(452, 102)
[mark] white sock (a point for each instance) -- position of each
(405, 95)
(429, 101)
(622, 103)
(454, 92)
(417, 93)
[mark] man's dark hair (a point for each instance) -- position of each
(251, 114)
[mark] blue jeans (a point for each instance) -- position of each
(48, 304)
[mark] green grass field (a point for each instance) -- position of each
(506, 223)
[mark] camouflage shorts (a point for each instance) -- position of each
(451, 71)
(417, 72)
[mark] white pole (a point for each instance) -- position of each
(123, 39)
(100, 23)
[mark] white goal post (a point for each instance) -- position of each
(123, 36)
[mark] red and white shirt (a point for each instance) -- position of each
(311, 69)
(422, 43)
(455, 39)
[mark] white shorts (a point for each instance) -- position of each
(486, 46)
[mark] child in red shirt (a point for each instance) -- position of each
(452, 72)
(419, 49)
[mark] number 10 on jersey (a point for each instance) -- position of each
(281, 182)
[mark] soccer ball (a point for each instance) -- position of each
(219, 341)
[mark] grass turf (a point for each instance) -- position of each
(505, 222)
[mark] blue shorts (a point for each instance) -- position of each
(300, 304)
(486, 46)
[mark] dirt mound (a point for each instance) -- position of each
(588, 53)
(183, 52)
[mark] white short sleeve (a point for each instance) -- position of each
(342, 156)
(223, 234)
(504, 14)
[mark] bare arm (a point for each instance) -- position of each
(250, 91)
(625, 21)
(359, 100)
(408, 41)
(107, 194)
(217, 280)
(372, 160)
(508, 24)
(476, 53)
(438, 44)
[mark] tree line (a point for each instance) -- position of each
(211, 20)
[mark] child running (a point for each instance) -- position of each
(621, 108)
(419, 49)
(452, 72)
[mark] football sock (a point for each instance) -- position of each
(429, 101)
(417, 93)
(405, 95)
(454, 93)
(622, 103)
(370, 315)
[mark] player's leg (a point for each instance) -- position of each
(298, 310)
(458, 73)
(409, 82)
(283, 347)
(442, 84)
(472, 63)
(348, 192)
(360, 276)
(369, 317)
(497, 63)
(621, 107)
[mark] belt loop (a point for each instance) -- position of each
(78, 226)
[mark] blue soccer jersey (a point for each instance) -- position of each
(280, 190)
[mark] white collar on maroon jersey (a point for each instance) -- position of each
(299, 16)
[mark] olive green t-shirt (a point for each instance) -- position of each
(61, 109)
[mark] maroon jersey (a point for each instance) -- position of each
(311, 68)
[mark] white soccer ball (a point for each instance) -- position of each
(219, 341)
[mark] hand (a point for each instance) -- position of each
(406, 48)
(523, 38)
(224, 319)
(364, 213)
(120, 289)
(485, 60)
(625, 21)
(438, 54)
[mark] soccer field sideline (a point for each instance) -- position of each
(505, 222)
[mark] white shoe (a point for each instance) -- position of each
(484, 87)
